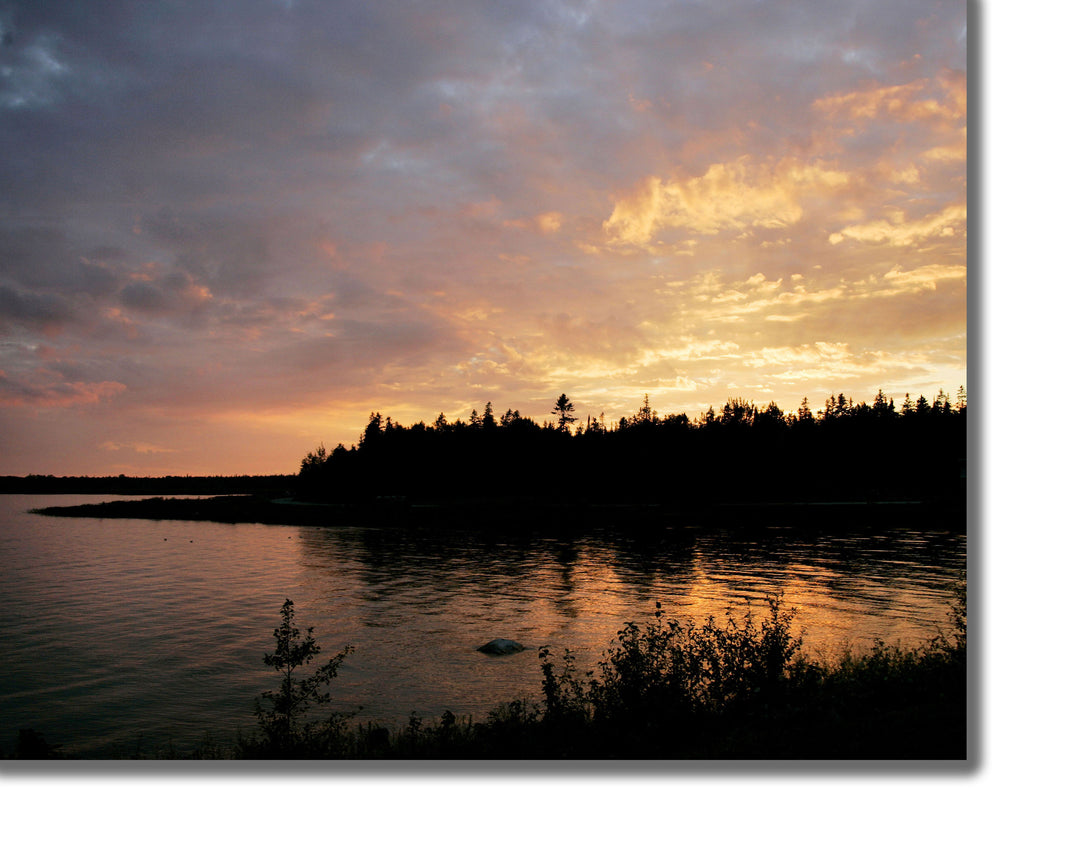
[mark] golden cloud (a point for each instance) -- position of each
(708, 300)
(820, 353)
(736, 196)
(925, 277)
(826, 361)
(901, 233)
(953, 152)
(909, 102)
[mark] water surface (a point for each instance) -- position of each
(128, 635)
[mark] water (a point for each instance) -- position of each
(125, 635)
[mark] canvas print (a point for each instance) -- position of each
(472, 381)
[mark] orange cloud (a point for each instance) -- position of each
(953, 152)
(907, 102)
(549, 222)
(546, 223)
(15, 393)
(899, 232)
(735, 196)
(137, 447)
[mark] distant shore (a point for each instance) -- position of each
(521, 513)
(162, 485)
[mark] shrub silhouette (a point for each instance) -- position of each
(739, 687)
(285, 733)
(663, 684)
(743, 688)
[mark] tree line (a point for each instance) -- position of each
(743, 452)
(137, 485)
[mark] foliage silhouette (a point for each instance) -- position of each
(564, 409)
(32, 745)
(741, 688)
(845, 452)
(285, 732)
(165, 484)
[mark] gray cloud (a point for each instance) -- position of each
(40, 311)
(228, 207)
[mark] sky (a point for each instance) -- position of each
(231, 231)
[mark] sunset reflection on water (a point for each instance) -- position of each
(129, 630)
(435, 596)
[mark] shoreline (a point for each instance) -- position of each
(520, 513)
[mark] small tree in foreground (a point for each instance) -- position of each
(281, 723)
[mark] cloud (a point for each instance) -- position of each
(33, 76)
(174, 294)
(837, 365)
(137, 447)
(46, 391)
(548, 223)
(735, 197)
(361, 206)
(953, 152)
(947, 224)
(909, 102)
(925, 277)
(44, 311)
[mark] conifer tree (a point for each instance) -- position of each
(564, 409)
(281, 724)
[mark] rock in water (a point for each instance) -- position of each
(501, 646)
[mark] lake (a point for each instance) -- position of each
(128, 635)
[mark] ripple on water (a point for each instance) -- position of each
(149, 633)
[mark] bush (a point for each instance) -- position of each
(743, 688)
(740, 688)
(285, 732)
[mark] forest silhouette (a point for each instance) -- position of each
(850, 452)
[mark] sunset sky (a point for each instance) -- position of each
(230, 231)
